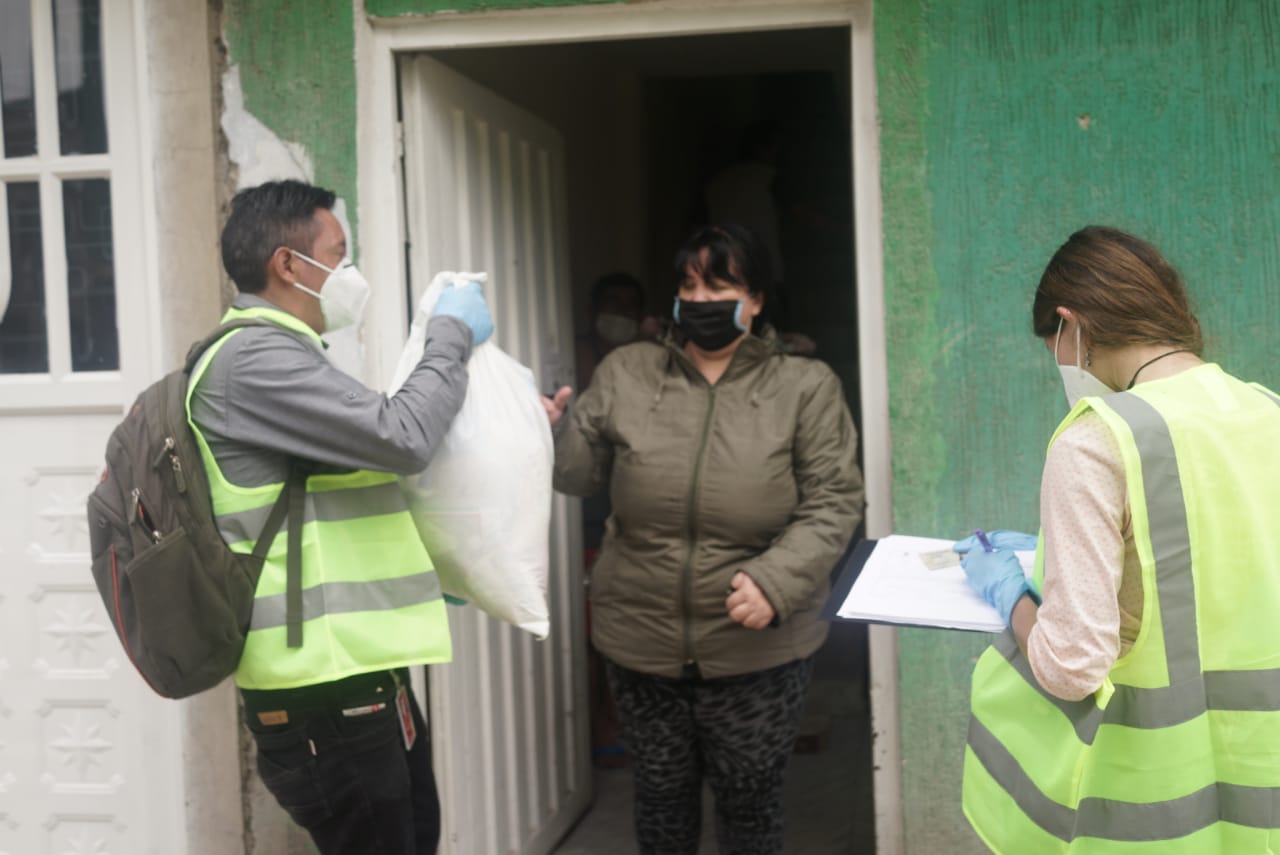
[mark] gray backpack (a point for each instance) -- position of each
(180, 600)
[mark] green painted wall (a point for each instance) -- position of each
(297, 69)
(388, 8)
(1007, 124)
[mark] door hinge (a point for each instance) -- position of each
(399, 140)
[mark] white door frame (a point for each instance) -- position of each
(382, 228)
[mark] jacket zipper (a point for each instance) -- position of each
(686, 580)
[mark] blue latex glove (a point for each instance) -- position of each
(1000, 539)
(466, 303)
(997, 577)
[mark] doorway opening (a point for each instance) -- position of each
(650, 128)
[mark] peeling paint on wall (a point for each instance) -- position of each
(258, 154)
(296, 62)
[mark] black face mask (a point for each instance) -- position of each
(711, 325)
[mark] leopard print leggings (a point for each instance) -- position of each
(737, 731)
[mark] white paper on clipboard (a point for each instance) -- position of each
(896, 585)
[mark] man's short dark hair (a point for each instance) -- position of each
(264, 218)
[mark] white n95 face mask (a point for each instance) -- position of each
(616, 329)
(1076, 381)
(343, 295)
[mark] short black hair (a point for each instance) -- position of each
(610, 281)
(734, 254)
(264, 218)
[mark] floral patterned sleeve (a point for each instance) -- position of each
(1092, 598)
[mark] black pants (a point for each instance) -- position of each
(738, 732)
(347, 778)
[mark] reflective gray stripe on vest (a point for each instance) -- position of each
(1085, 715)
(1254, 691)
(1268, 393)
(325, 506)
(1256, 807)
(1004, 768)
(1170, 536)
(1190, 693)
(343, 597)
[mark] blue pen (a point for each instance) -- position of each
(982, 538)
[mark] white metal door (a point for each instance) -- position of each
(484, 190)
(89, 757)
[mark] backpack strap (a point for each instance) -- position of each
(197, 350)
(274, 520)
(291, 503)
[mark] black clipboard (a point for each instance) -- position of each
(850, 566)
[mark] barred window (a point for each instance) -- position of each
(57, 257)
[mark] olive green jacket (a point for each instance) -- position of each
(757, 473)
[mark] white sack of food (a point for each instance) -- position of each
(483, 505)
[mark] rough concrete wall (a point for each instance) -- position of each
(389, 8)
(1007, 124)
(179, 51)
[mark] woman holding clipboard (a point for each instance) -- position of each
(1134, 703)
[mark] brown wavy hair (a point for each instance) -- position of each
(1122, 290)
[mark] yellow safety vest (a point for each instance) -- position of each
(1179, 752)
(370, 596)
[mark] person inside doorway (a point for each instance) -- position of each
(736, 488)
(746, 192)
(743, 192)
(1131, 706)
(616, 318)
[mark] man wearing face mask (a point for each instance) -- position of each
(341, 742)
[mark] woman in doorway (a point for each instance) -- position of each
(1134, 706)
(735, 488)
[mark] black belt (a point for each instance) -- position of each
(321, 697)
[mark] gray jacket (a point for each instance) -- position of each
(269, 395)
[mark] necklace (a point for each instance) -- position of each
(1149, 361)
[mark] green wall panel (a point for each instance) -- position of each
(1007, 124)
(388, 8)
(297, 69)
